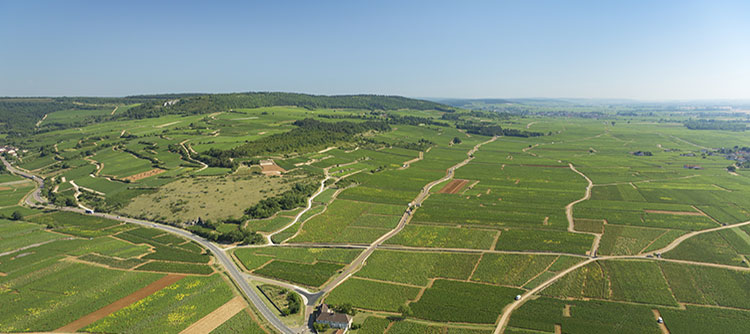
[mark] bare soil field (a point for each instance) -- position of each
(217, 317)
(271, 168)
(116, 306)
(453, 187)
(139, 176)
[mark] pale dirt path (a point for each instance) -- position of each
(78, 194)
(307, 208)
(508, 310)
(166, 124)
(407, 164)
(505, 316)
(99, 165)
(32, 246)
(684, 237)
(119, 304)
(662, 326)
(113, 111)
(530, 124)
(10, 183)
(690, 143)
(569, 212)
(203, 164)
(327, 149)
(359, 261)
(41, 120)
(214, 319)
(631, 183)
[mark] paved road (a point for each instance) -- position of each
(234, 272)
(37, 194)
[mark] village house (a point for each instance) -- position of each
(326, 316)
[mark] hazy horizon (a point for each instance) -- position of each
(644, 51)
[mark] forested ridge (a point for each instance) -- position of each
(19, 115)
(309, 135)
(205, 104)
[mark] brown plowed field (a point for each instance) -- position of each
(136, 177)
(117, 305)
(217, 317)
(272, 169)
(453, 187)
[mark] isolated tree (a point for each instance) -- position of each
(16, 215)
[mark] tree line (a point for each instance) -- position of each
(711, 124)
(478, 128)
(205, 104)
(288, 200)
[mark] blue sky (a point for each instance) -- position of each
(587, 49)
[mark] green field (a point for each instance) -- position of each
(464, 253)
(173, 308)
(372, 295)
(455, 301)
(417, 267)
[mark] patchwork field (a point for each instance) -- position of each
(495, 206)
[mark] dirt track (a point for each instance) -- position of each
(217, 317)
(119, 304)
(453, 187)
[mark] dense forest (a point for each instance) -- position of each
(479, 128)
(205, 104)
(19, 116)
(309, 135)
(288, 200)
(699, 124)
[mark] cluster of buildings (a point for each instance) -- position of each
(9, 150)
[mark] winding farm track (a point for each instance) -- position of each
(307, 208)
(203, 164)
(508, 310)
(360, 260)
(241, 278)
(569, 212)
